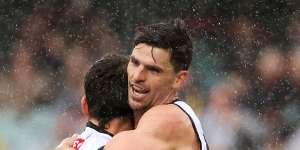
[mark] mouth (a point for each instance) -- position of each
(139, 92)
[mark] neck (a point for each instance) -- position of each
(169, 98)
(117, 125)
(137, 116)
(94, 121)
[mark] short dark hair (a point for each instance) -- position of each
(106, 89)
(172, 36)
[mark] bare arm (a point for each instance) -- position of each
(129, 140)
(157, 129)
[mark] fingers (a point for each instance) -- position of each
(75, 135)
(67, 143)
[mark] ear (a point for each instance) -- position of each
(84, 106)
(181, 79)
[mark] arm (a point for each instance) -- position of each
(129, 140)
(157, 129)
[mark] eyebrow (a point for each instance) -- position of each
(148, 66)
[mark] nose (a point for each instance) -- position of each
(139, 74)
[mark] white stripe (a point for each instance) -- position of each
(93, 139)
(196, 121)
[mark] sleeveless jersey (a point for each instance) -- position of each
(92, 138)
(195, 122)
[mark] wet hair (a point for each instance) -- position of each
(172, 36)
(106, 87)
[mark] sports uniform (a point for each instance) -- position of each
(92, 138)
(195, 122)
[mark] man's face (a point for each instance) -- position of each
(151, 77)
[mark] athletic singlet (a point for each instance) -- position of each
(195, 122)
(92, 138)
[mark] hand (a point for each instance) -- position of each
(67, 143)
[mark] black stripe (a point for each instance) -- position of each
(97, 128)
(101, 148)
(193, 124)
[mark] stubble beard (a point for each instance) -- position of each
(138, 107)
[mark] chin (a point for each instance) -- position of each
(136, 105)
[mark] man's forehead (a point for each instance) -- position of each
(151, 52)
(156, 57)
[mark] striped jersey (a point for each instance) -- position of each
(92, 138)
(195, 122)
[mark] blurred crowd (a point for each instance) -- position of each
(254, 101)
(245, 77)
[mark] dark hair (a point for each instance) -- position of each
(106, 87)
(172, 36)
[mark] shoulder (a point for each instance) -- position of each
(165, 114)
(100, 138)
(166, 121)
(95, 141)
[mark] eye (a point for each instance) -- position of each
(154, 70)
